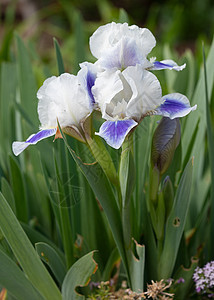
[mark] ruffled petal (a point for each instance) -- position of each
(19, 147)
(107, 85)
(166, 64)
(114, 132)
(146, 92)
(125, 53)
(62, 98)
(107, 36)
(174, 106)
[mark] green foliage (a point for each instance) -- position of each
(56, 206)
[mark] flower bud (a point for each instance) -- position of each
(165, 141)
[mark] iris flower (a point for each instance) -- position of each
(119, 45)
(66, 99)
(125, 89)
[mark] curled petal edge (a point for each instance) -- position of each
(19, 147)
(166, 64)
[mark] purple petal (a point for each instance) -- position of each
(174, 106)
(114, 132)
(167, 64)
(19, 147)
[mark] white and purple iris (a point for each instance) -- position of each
(119, 84)
(66, 99)
(125, 90)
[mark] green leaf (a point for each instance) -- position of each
(137, 268)
(127, 171)
(175, 224)
(52, 259)
(15, 281)
(8, 194)
(123, 16)
(25, 253)
(210, 138)
(19, 190)
(5, 46)
(61, 68)
(7, 97)
(103, 158)
(78, 275)
(182, 289)
(79, 37)
(112, 261)
(200, 113)
(103, 191)
(35, 237)
(27, 82)
(65, 224)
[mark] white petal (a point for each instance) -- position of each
(146, 92)
(107, 36)
(125, 53)
(62, 98)
(107, 85)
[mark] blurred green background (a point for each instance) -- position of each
(182, 24)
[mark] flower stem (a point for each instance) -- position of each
(127, 180)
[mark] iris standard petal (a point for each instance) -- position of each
(107, 36)
(125, 53)
(86, 77)
(114, 132)
(174, 106)
(166, 64)
(19, 147)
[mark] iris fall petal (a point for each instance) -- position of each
(19, 147)
(174, 106)
(114, 132)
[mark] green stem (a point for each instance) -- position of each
(126, 176)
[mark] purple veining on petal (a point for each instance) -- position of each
(166, 64)
(158, 65)
(172, 106)
(19, 147)
(124, 54)
(114, 132)
(90, 83)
